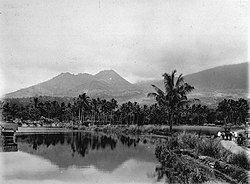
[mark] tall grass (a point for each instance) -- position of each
(241, 160)
(188, 140)
(178, 169)
(210, 147)
(179, 156)
(204, 146)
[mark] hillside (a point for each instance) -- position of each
(211, 86)
(228, 80)
(222, 78)
(105, 84)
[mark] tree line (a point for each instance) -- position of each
(172, 107)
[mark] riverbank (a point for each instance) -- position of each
(38, 130)
(151, 130)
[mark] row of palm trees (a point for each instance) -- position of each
(79, 109)
(172, 106)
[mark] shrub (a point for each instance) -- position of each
(210, 147)
(188, 140)
(177, 169)
(241, 160)
(179, 164)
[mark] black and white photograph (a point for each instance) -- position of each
(124, 92)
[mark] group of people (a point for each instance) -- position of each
(240, 138)
(228, 135)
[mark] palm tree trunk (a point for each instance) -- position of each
(198, 118)
(82, 118)
(171, 123)
(79, 115)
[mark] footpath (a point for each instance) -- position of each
(234, 147)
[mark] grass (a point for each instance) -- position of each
(241, 160)
(201, 160)
(205, 130)
(159, 130)
(179, 169)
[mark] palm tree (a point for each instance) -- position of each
(114, 106)
(83, 103)
(175, 94)
(47, 108)
(224, 108)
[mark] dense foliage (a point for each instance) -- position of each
(101, 111)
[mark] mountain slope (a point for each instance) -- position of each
(60, 85)
(221, 78)
(112, 78)
(106, 84)
(228, 77)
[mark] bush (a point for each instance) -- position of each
(180, 164)
(210, 147)
(177, 169)
(188, 140)
(241, 160)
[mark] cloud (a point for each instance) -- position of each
(139, 39)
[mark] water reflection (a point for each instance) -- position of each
(8, 144)
(129, 141)
(72, 156)
(83, 149)
(78, 141)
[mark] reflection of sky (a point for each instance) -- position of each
(22, 167)
(106, 159)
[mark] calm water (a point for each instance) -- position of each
(78, 157)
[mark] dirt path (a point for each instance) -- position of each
(234, 148)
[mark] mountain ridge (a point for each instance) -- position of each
(109, 84)
(106, 83)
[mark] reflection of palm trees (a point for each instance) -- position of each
(113, 156)
(125, 140)
(34, 145)
(79, 142)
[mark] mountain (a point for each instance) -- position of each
(228, 80)
(228, 77)
(221, 78)
(108, 82)
(105, 84)
(211, 85)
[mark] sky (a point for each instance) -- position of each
(139, 39)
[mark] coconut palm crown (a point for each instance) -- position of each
(175, 94)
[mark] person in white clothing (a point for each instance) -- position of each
(219, 134)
